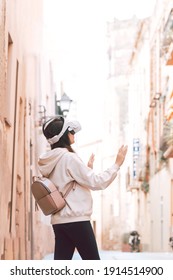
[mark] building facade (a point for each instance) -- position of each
(25, 77)
(151, 88)
(143, 66)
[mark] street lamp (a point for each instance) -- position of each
(63, 105)
(62, 108)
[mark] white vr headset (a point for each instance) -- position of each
(70, 125)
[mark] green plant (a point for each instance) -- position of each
(145, 186)
(162, 159)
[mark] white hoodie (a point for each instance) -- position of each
(65, 168)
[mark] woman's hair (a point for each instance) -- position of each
(54, 128)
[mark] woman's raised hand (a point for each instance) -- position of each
(121, 155)
(91, 161)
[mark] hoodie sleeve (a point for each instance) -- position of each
(86, 177)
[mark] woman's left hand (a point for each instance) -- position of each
(91, 161)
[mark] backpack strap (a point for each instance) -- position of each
(68, 190)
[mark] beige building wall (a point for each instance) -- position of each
(160, 187)
(139, 101)
(160, 169)
(155, 207)
(115, 200)
(23, 232)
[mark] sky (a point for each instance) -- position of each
(75, 35)
(78, 27)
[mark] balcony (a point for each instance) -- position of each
(166, 146)
(166, 44)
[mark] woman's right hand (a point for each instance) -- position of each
(121, 155)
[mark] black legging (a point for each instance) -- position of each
(77, 235)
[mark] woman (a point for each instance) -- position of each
(71, 225)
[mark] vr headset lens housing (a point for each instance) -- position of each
(72, 126)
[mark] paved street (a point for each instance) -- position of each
(116, 255)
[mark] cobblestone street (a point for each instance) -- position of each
(116, 255)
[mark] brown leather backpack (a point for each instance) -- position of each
(47, 195)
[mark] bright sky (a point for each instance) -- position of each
(75, 36)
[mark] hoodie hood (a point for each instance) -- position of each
(48, 161)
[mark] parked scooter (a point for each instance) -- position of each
(134, 241)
